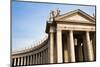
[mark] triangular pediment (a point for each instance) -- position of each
(76, 16)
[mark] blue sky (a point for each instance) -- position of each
(29, 20)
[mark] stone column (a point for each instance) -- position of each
(14, 61)
(46, 56)
(31, 60)
(41, 57)
(71, 47)
(94, 44)
(89, 47)
(51, 48)
(18, 61)
(25, 60)
(36, 59)
(59, 47)
(21, 61)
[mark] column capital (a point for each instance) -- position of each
(58, 30)
(71, 30)
(87, 31)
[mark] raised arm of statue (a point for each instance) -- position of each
(53, 14)
(58, 12)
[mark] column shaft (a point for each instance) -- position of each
(71, 47)
(31, 59)
(35, 59)
(94, 44)
(25, 60)
(41, 57)
(89, 47)
(14, 61)
(18, 61)
(21, 61)
(59, 47)
(46, 56)
(51, 48)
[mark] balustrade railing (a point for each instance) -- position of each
(36, 44)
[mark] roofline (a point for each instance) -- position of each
(74, 11)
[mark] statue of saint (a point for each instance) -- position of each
(54, 14)
(51, 15)
(58, 12)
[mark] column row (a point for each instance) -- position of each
(39, 58)
(88, 47)
(71, 52)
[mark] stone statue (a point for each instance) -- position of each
(54, 14)
(58, 12)
(51, 15)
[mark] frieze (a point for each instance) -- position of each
(78, 28)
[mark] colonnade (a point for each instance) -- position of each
(62, 46)
(38, 58)
(85, 50)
